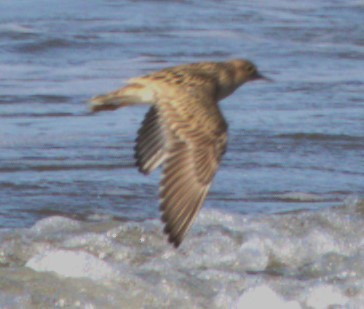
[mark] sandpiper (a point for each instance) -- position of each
(184, 131)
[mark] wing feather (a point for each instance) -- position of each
(195, 146)
(150, 143)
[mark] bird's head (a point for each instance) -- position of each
(246, 71)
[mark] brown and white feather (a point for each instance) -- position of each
(196, 143)
(150, 143)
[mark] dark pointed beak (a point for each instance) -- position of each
(258, 75)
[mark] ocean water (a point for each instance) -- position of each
(283, 224)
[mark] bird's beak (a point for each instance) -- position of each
(258, 75)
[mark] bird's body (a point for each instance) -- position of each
(184, 131)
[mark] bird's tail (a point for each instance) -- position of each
(129, 95)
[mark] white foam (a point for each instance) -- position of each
(73, 264)
(54, 224)
(324, 296)
(263, 297)
(253, 253)
(226, 261)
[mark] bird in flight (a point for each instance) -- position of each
(184, 131)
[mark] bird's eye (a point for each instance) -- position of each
(250, 68)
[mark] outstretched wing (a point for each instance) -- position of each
(196, 141)
(150, 143)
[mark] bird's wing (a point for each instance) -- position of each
(150, 143)
(167, 85)
(196, 140)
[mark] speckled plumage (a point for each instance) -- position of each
(184, 131)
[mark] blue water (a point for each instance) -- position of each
(296, 144)
(304, 132)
